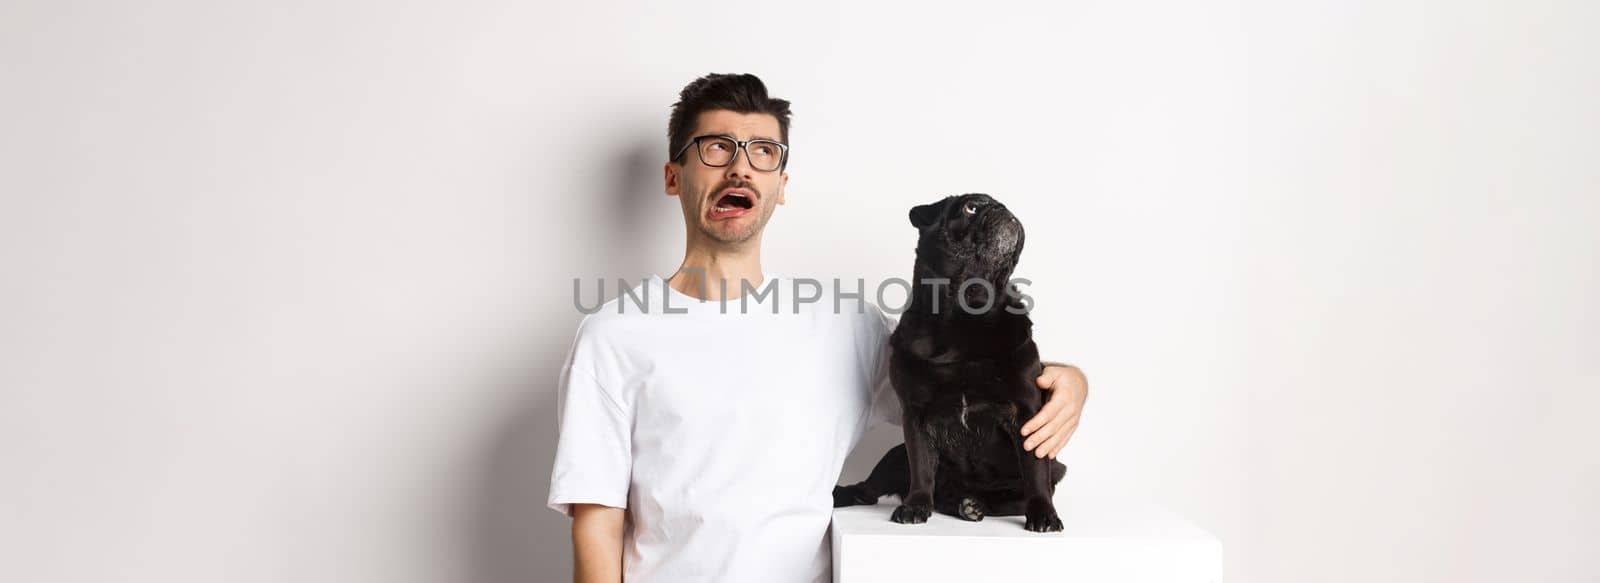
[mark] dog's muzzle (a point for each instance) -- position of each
(1003, 232)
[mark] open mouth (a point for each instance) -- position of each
(733, 203)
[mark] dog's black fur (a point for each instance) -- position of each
(965, 380)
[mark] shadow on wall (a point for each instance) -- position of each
(513, 537)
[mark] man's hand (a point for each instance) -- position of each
(1047, 432)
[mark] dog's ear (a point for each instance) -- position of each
(927, 214)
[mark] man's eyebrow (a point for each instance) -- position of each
(732, 137)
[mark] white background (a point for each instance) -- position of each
(286, 285)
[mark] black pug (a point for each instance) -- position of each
(965, 378)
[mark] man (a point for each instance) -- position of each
(704, 419)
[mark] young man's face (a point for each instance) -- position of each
(704, 191)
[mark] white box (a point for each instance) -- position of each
(1103, 540)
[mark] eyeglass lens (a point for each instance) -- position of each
(764, 155)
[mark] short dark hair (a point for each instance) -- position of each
(744, 93)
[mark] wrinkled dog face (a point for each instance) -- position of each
(969, 235)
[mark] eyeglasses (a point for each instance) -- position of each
(719, 151)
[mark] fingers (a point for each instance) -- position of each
(1047, 378)
(1046, 424)
(1052, 407)
(1053, 446)
(1052, 436)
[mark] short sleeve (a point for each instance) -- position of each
(885, 403)
(594, 452)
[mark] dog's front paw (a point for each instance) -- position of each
(908, 514)
(1041, 517)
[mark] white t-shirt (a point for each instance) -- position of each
(723, 434)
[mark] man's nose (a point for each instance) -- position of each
(740, 166)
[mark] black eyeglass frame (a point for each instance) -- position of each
(783, 151)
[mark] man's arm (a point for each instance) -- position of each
(590, 477)
(1047, 432)
(596, 543)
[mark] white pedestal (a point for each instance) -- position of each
(1103, 541)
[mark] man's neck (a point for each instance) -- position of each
(706, 268)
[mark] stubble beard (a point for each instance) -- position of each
(742, 234)
(757, 220)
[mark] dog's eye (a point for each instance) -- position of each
(970, 209)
